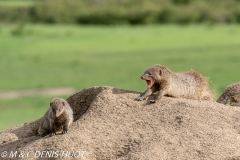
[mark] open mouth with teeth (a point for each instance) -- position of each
(149, 83)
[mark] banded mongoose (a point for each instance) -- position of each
(231, 95)
(190, 85)
(58, 118)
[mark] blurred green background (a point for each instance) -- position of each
(51, 44)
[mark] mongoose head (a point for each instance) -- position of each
(58, 106)
(154, 75)
(235, 100)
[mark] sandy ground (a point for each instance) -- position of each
(110, 124)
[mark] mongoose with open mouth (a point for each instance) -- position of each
(190, 85)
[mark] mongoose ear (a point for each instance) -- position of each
(63, 103)
(50, 104)
(160, 72)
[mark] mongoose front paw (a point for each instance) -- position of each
(44, 134)
(52, 134)
(152, 101)
(65, 129)
(139, 99)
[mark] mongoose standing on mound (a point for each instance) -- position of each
(58, 118)
(231, 95)
(191, 85)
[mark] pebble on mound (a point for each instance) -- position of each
(110, 124)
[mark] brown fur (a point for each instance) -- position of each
(231, 95)
(190, 85)
(58, 117)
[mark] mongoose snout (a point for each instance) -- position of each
(148, 79)
(57, 113)
(57, 108)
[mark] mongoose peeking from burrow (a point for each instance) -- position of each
(231, 95)
(190, 85)
(57, 118)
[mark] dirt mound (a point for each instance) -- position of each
(110, 124)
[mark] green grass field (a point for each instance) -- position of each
(48, 56)
(16, 3)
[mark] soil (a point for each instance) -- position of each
(110, 124)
